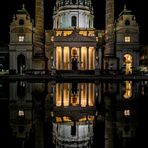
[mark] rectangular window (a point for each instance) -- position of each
(127, 39)
(127, 112)
(21, 38)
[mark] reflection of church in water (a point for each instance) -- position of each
(74, 44)
(72, 114)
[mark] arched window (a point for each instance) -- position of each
(74, 21)
(21, 22)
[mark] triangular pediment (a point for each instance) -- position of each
(75, 37)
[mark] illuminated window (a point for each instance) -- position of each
(127, 39)
(21, 113)
(21, 38)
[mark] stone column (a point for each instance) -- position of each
(39, 27)
(109, 123)
(109, 28)
(39, 60)
(62, 58)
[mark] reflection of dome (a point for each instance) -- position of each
(74, 135)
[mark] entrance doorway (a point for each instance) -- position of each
(74, 61)
(21, 63)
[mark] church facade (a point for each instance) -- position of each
(74, 45)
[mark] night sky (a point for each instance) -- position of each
(9, 7)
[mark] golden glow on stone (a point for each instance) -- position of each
(84, 96)
(128, 90)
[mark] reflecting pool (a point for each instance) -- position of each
(73, 114)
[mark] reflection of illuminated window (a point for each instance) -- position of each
(21, 89)
(91, 94)
(66, 119)
(127, 39)
(89, 118)
(63, 119)
(83, 119)
(127, 112)
(142, 91)
(128, 90)
(128, 63)
(83, 95)
(58, 119)
(21, 113)
(66, 94)
(58, 94)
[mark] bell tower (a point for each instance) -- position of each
(20, 46)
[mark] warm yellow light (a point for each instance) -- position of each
(128, 90)
(66, 94)
(127, 39)
(58, 94)
(58, 33)
(84, 33)
(127, 112)
(128, 63)
(66, 119)
(91, 33)
(58, 119)
(66, 33)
